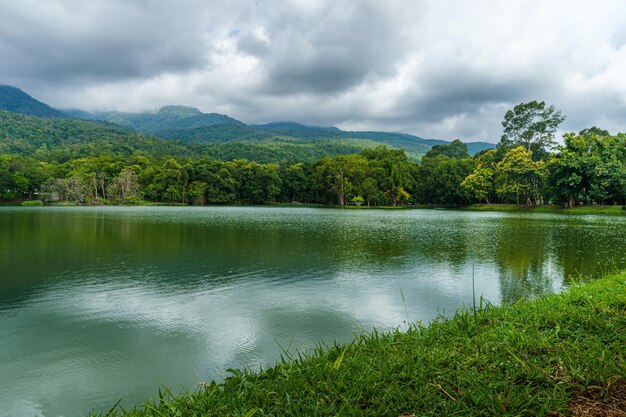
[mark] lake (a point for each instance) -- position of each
(102, 304)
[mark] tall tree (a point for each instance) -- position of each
(341, 175)
(440, 180)
(531, 125)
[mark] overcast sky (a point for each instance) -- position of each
(437, 69)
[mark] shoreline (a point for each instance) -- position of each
(613, 210)
(560, 354)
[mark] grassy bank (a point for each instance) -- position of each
(614, 210)
(561, 355)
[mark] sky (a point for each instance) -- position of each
(437, 69)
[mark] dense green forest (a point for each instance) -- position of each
(83, 162)
(189, 124)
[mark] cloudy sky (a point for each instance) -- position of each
(441, 69)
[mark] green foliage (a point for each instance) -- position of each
(531, 125)
(378, 176)
(480, 183)
(590, 169)
(456, 149)
(32, 203)
(440, 180)
(520, 177)
(58, 140)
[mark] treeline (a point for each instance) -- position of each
(378, 176)
(589, 168)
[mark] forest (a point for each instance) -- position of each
(92, 163)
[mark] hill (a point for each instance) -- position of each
(211, 134)
(292, 126)
(168, 118)
(60, 140)
(15, 100)
(64, 139)
(191, 125)
(226, 138)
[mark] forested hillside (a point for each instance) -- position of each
(271, 142)
(15, 100)
(61, 140)
(191, 125)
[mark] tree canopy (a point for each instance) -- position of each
(531, 125)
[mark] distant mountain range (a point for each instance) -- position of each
(188, 124)
(15, 100)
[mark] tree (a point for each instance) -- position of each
(518, 175)
(531, 125)
(296, 182)
(456, 149)
(593, 130)
(370, 191)
(480, 182)
(196, 192)
(391, 172)
(441, 178)
(125, 186)
(168, 182)
(571, 170)
(341, 174)
(590, 167)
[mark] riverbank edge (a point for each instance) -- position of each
(515, 208)
(564, 354)
(610, 210)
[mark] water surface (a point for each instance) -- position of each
(98, 304)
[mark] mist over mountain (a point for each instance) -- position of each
(189, 124)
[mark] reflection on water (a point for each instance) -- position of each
(97, 304)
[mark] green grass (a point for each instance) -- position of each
(614, 210)
(32, 203)
(529, 359)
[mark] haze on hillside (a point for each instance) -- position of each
(227, 137)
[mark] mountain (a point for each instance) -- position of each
(415, 146)
(85, 115)
(66, 139)
(474, 147)
(168, 119)
(191, 125)
(15, 100)
(62, 140)
(219, 135)
(294, 127)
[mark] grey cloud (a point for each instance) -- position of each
(253, 45)
(463, 91)
(93, 42)
(441, 69)
(330, 50)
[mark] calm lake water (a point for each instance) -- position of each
(98, 304)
